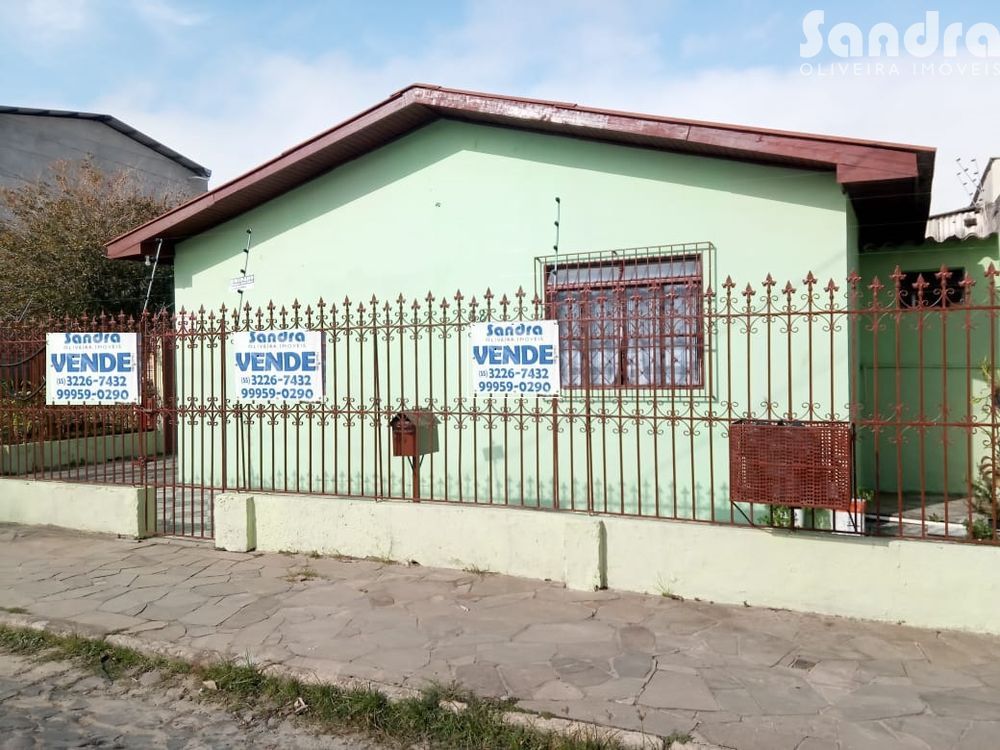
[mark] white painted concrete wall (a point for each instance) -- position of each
(535, 544)
(924, 584)
(84, 507)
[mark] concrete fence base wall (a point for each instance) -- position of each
(924, 584)
(105, 509)
(24, 458)
(920, 583)
(559, 547)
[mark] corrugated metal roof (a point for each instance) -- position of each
(980, 220)
(889, 183)
(115, 124)
(965, 224)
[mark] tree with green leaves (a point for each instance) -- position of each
(52, 236)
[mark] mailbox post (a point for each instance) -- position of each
(414, 435)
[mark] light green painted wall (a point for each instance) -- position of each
(458, 206)
(946, 457)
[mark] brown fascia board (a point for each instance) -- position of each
(855, 162)
(885, 160)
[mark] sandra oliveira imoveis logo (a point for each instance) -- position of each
(930, 46)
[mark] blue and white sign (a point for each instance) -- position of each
(91, 368)
(277, 366)
(515, 359)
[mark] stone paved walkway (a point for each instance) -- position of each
(54, 705)
(740, 677)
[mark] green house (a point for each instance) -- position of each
(700, 274)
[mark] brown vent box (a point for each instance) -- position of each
(799, 464)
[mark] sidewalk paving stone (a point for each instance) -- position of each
(669, 689)
(740, 677)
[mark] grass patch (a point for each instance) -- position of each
(91, 653)
(15, 610)
(381, 559)
(305, 573)
(419, 721)
(428, 720)
(477, 571)
(678, 738)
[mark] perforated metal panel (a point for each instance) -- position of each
(799, 464)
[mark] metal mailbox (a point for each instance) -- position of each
(414, 433)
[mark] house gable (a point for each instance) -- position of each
(466, 206)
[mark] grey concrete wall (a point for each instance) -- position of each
(30, 143)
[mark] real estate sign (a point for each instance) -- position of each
(515, 359)
(274, 367)
(91, 368)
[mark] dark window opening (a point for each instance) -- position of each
(930, 293)
(630, 322)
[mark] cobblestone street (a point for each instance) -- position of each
(55, 705)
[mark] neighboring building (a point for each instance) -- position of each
(980, 219)
(32, 139)
(439, 190)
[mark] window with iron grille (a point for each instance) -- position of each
(629, 318)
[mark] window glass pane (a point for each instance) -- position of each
(604, 337)
(589, 337)
(569, 315)
(567, 312)
(660, 269)
(678, 366)
(591, 275)
(570, 363)
(661, 348)
(681, 311)
(643, 365)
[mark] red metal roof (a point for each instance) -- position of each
(889, 183)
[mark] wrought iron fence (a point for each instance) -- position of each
(71, 443)
(656, 367)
